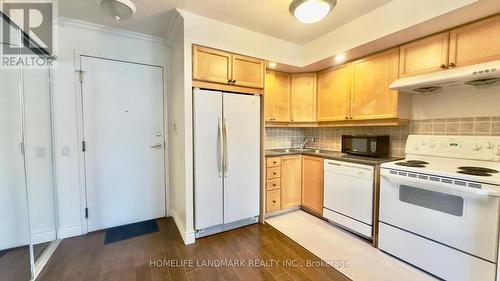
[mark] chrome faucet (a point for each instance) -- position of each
(306, 141)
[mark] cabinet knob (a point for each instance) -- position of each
(229, 81)
(274, 173)
(274, 184)
(350, 117)
(274, 162)
(347, 117)
(443, 66)
(452, 64)
(274, 201)
(234, 81)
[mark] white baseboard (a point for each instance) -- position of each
(187, 237)
(69, 231)
(42, 237)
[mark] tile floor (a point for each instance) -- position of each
(351, 255)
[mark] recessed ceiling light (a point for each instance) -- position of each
(272, 65)
(117, 9)
(340, 58)
(311, 11)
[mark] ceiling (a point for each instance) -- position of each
(269, 17)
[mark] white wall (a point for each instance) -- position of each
(458, 103)
(75, 36)
(177, 133)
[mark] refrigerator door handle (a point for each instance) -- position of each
(219, 147)
(225, 161)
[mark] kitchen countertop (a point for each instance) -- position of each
(332, 155)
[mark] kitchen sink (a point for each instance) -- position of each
(299, 150)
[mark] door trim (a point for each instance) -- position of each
(77, 57)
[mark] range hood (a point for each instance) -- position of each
(478, 75)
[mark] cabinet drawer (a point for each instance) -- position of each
(273, 173)
(273, 162)
(273, 201)
(273, 184)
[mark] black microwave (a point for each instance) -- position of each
(370, 146)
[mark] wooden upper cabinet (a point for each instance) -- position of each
(269, 96)
(371, 97)
(291, 181)
(334, 93)
(281, 106)
(225, 69)
(304, 97)
(211, 65)
(312, 184)
(475, 43)
(423, 56)
(248, 72)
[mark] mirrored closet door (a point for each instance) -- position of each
(28, 220)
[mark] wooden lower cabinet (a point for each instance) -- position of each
(283, 182)
(312, 184)
(291, 181)
(273, 201)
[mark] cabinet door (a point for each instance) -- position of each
(211, 65)
(334, 93)
(423, 56)
(272, 201)
(304, 97)
(281, 102)
(269, 96)
(248, 72)
(371, 97)
(291, 181)
(475, 43)
(312, 184)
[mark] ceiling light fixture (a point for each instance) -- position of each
(311, 11)
(117, 9)
(340, 58)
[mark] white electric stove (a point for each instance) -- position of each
(439, 208)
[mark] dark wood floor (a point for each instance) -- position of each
(86, 258)
(15, 265)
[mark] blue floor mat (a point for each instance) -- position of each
(128, 231)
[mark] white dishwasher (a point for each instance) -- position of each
(348, 196)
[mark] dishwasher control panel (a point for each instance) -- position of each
(350, 169)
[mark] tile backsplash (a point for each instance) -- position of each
(330, 138)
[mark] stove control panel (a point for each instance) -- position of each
(465, 147)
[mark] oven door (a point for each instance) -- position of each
(461, 219)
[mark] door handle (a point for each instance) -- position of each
(156, 145)
(225, 161)
(219, 147)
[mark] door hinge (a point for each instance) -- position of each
(84, 146)
(86, 213)
(80, 75)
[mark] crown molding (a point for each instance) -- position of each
(173, 25)
(64, 21)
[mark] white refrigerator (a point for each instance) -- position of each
(226, 160)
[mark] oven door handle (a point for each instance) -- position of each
(441, 187)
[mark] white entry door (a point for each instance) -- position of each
(123, 132)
